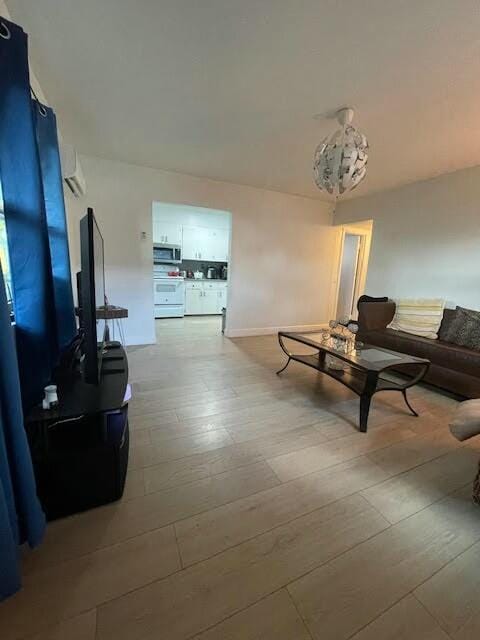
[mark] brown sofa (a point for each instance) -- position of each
(454, 368)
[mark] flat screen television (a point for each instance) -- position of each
(92, 291)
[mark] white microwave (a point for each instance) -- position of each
(167, 254)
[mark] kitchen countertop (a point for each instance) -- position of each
(167, 277)
(205, 280)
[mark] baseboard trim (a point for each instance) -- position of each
(266, 331)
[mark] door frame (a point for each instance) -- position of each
(362, 263)
(230, 261)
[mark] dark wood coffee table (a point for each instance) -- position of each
(365, 370)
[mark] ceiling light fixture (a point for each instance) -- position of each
(340, 161)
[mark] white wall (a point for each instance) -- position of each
(426, 238)
(283, 254)
(191, 216)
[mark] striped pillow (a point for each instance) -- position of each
(421, 317)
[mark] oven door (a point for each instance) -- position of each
(168, 291)
(169, 297)
(166, 254)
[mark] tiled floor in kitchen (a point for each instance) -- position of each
(254, 509)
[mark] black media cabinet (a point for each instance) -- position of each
(80, 447)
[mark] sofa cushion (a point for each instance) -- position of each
(442, 353)
(464, 330)
(470, 312)
(466, 421)
(449, 316)
(375, 315)
(366, 298)
(458, 382)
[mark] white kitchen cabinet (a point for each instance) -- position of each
(210, 301)
(202, 243)
(167, 232)
(156, 232)
(194, 301)
(218, 245)
(204, 297)
(218, 295)
(189, 244)
(195, 243)
(221, 299)
(226, 244)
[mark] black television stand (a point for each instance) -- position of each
(110, 371)
(112, 344)
(80, 447)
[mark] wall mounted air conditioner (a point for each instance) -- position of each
(72, 170)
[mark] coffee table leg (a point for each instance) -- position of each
(283, 368)
(366, 398)
(364, 411)
(404, 393)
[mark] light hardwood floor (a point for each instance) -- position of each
(255, 510)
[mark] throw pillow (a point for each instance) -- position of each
(421, 317)
(449, 316)
(470, 312)
(465, 329)
(466, 421)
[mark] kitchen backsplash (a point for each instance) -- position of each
(202, 265)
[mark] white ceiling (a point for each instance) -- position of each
(226, 89)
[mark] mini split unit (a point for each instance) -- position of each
(72, 170)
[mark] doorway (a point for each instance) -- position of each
(191, 260)
(352, 274)
(348, 275)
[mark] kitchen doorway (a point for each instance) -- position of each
(353, 266)
(191, 260)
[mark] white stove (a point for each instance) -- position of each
(168, 292)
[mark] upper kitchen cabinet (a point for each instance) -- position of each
(219, 239)
(166, 232)
(202, 243)
(195, 242)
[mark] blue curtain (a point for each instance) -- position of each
(46, 128)
(25, 218)
(21, 517)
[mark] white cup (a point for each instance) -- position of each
(51, 396)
